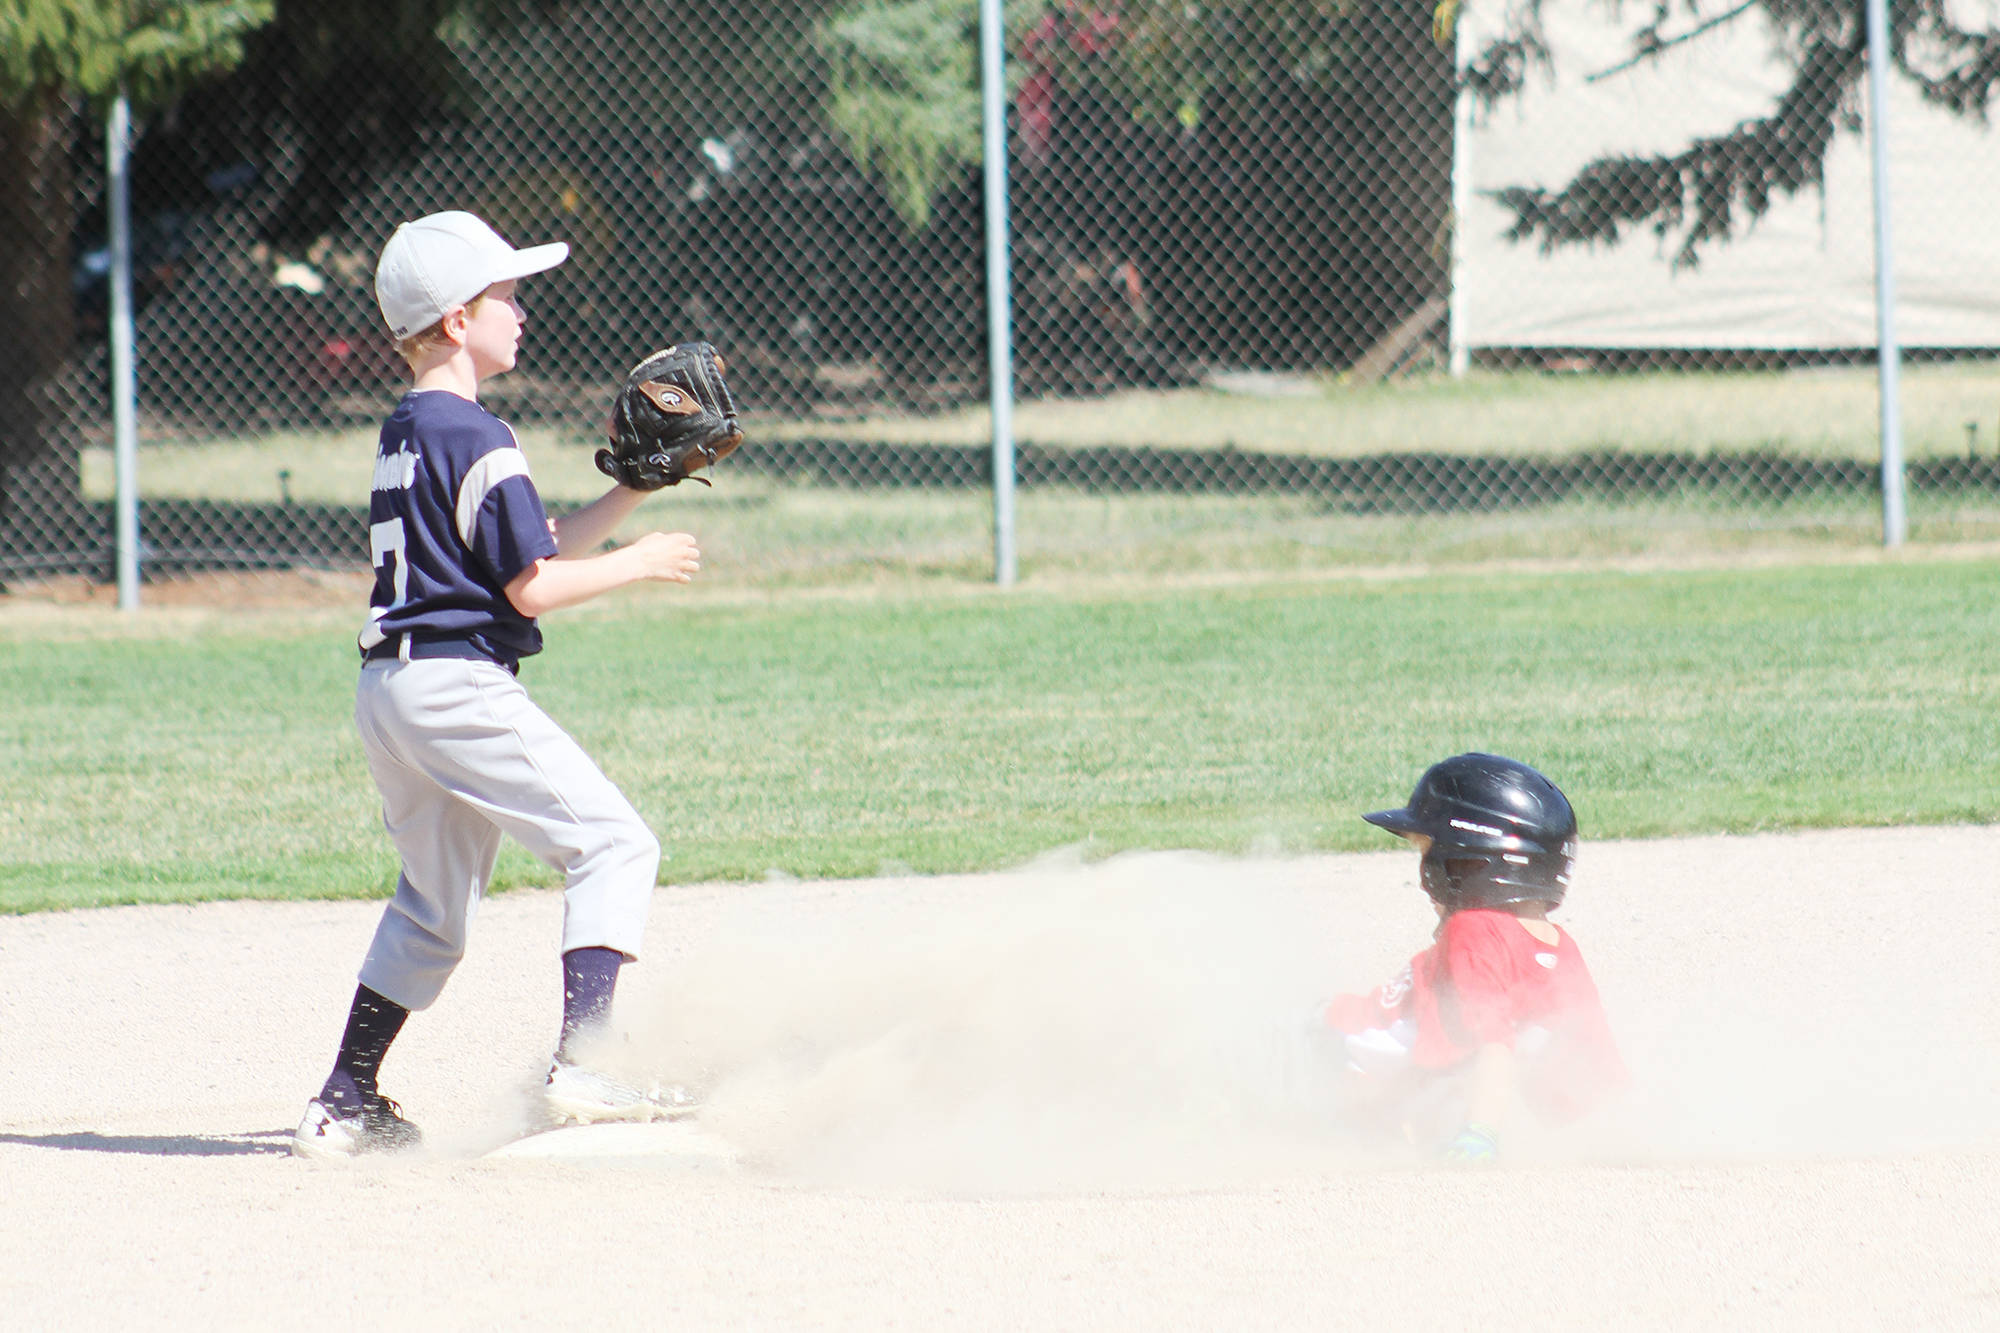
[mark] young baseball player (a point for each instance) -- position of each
(1498, 1018)
(465, 561)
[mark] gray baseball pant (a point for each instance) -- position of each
(462, 755)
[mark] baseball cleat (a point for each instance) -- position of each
(583, 1096)
(377, 1127)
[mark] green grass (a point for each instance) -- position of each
(958, 731)
(760, 532)
(756, 532)
(777, 533)
(1821, 413)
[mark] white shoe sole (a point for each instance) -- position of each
(576, 1111)
(314, 1150)
(577, 1107)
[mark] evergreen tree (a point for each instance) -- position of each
(1702, 194)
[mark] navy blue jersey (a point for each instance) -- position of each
(453, 517)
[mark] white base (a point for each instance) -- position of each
(678, 1139)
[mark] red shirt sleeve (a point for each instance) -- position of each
(1582, 1065)
(1497, 983)
(1353, 1013)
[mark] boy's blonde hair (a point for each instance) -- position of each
(414, 346)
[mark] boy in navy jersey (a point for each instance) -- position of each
(1499, 1017)
(465, 561)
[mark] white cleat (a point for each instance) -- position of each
(378, 1127)
(576, 1095)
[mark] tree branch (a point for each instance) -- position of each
(1703, 187)
(1647, 44)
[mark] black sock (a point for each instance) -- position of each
(372, 1024)
(589, 977)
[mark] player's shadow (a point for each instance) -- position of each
(162, 1145)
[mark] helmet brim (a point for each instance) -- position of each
(1396, 821)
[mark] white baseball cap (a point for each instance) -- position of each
(444, 260)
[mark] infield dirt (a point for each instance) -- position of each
(1070, 1096)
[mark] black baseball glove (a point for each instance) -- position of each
(673, 416)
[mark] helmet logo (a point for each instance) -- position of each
(1476, 828)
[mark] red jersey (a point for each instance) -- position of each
(1485, 980)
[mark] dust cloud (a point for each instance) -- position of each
(1147, 1022)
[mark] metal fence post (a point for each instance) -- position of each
(124, 390)
(1458, 354)
(999, 287)
(1888, 353)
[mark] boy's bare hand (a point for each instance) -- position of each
(670, 557)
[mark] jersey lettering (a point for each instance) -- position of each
(388, 541)
(395, 472)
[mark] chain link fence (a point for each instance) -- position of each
(1297, 283)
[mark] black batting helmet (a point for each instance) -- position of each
(1499, 832)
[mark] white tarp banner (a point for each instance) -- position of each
(1802, 276)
